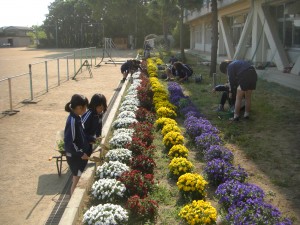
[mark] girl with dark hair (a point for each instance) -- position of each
(75, 142)
(92, 119)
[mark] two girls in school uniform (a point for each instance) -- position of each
(81, 130)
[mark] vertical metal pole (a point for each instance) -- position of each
(95, 55)
(86, 58)
(74, 63)
(58, 75)
(30, 83)
(10, 94)
(81, 60)
(46, 74)
(91, 56)
(67, 67)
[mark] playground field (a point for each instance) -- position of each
(29, 182)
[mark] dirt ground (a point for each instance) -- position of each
(29, 182)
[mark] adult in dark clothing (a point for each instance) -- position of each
(76, 144)
(147, 48)
(125, 69)
(183, 71)
(129, 67)
(242, 78)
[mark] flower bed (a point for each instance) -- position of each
(196, 212)
(242, 203)
(127, 173)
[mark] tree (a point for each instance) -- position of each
(123, 18)
(215, 37)
(190, 5)
(67, 24)
(37, 34)
(164, 12)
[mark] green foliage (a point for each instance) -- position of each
(186, 35)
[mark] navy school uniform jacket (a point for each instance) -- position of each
(184, 72)
(76, 143)
(92, 123)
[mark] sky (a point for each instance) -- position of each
(23, 12)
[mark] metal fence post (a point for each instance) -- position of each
(91, 56)
(86, 57)
(81, 60)
(95, 55)
(30, 83)
(74, 63)
(46, 73)
(58, 75)
(67, 67)
(10, 94)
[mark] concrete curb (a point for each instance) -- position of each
(74, 207)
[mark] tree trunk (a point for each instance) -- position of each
(181, 34)
(215, 37)
(165, 33)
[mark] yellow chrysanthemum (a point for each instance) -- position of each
(199, 212)
(179, 166)
(178, 150)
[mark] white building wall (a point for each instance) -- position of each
(258, 38)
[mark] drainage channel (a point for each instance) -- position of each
(64, 197)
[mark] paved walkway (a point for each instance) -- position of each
(29, 182)
(270, 74)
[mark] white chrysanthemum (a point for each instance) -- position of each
(108, 190)
(119, 140)
(122, 155)
(106, 214)
(132, 108)
(111, 169)
(131, 102)
(132, 95)
(126, 114)
(128, 131)
(123, 122)
(136, 75)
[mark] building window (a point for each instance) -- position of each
(287, 17)
(237, 24)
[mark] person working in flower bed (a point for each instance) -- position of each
(242, 77)
(225, 96)
(129, 66)
(183, 71)
(170, 70)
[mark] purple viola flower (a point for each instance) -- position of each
(218, 171)
(175, 88)
(195, 126)
(215, 171)
(193, 113)
(218, 152)
(255, 211)
(235, 173)
(205, 140)
(232, 191)
(187, 109)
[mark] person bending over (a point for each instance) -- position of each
(242, 77)
(183, 71)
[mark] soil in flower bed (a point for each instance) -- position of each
(267, 145)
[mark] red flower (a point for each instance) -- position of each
(142, 207)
